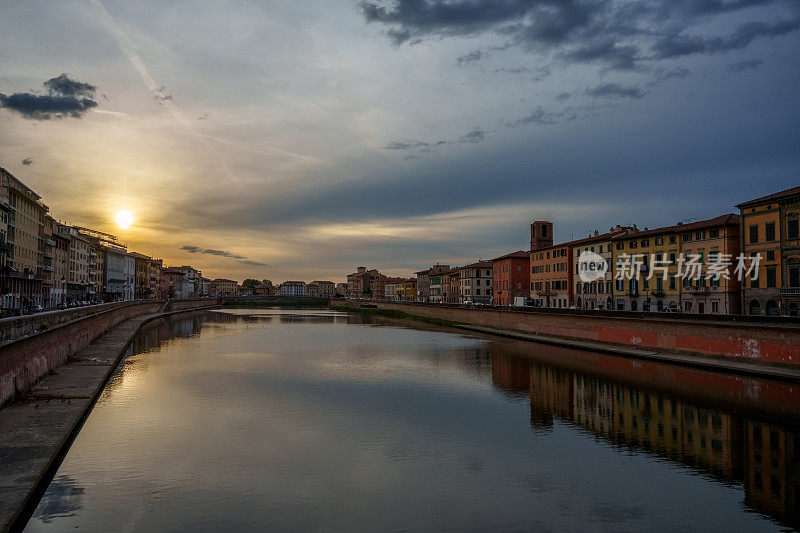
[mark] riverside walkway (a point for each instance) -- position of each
(38, 427)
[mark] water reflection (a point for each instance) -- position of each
(306, 419)
(759, 454)
(64, 497)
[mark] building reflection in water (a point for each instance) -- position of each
(733, 429)
(761, 455)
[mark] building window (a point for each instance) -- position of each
(794, 276)
(769, 231)
(659, 241)
(792, 228)
(771, 278)
(713, 234)
(753, 233)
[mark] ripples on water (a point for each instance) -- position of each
(277, 419)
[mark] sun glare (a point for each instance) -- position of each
(124, 219)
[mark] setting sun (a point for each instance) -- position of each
(124, 219)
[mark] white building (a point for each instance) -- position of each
(293, 288)
(475, 284)
(115, 273)
(129, 272)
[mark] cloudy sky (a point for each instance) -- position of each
(299, 140)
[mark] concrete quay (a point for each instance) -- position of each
(37, 429)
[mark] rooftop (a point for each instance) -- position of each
(794, 191)
(478, 264)
(731, 219)
(519, 254)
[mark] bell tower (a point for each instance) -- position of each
(541, 234)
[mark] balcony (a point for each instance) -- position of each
(49, 242)
(49, 255)
(658, 293)
(698, 290)
(790, 290)
(633, 292)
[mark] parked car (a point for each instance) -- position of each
(671, 310)
(35, 309)
(61, 306)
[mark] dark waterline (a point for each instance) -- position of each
(270, 419)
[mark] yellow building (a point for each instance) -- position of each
(656, 273)
(407, 290)
(769, 227)
(633, 291)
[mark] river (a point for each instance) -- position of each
(316, 419)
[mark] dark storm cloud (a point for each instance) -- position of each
(221, 253)
(406, 145)
(562, 96)
(747, 64)
(470, 58)
(617, 36)
(472, 137)
(64, 86)
(65, 98)
(615, 90)
(609, 53)
(539, 116)
(677, 45)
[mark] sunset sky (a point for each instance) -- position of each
(299, 140)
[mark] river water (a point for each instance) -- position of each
(253, 420)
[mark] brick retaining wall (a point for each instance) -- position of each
(38, 344)
(758, 340)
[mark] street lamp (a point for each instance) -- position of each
(64, 286)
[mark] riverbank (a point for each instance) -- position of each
(762, 349)
(37, 428)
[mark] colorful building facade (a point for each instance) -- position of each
(511, 277)
(769, 228)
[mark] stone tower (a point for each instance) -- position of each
(541, 234)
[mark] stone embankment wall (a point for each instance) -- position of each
(758, 339)
(31, 346)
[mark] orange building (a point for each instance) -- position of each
(551, 276)
(510, 277)
(769, 227)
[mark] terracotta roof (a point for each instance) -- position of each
(593, 238)
(519, 254)
(479, 264)
(434, 267)
(731, 219)
(776, 196)
(322, 282)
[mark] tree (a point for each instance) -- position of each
(249, 282)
